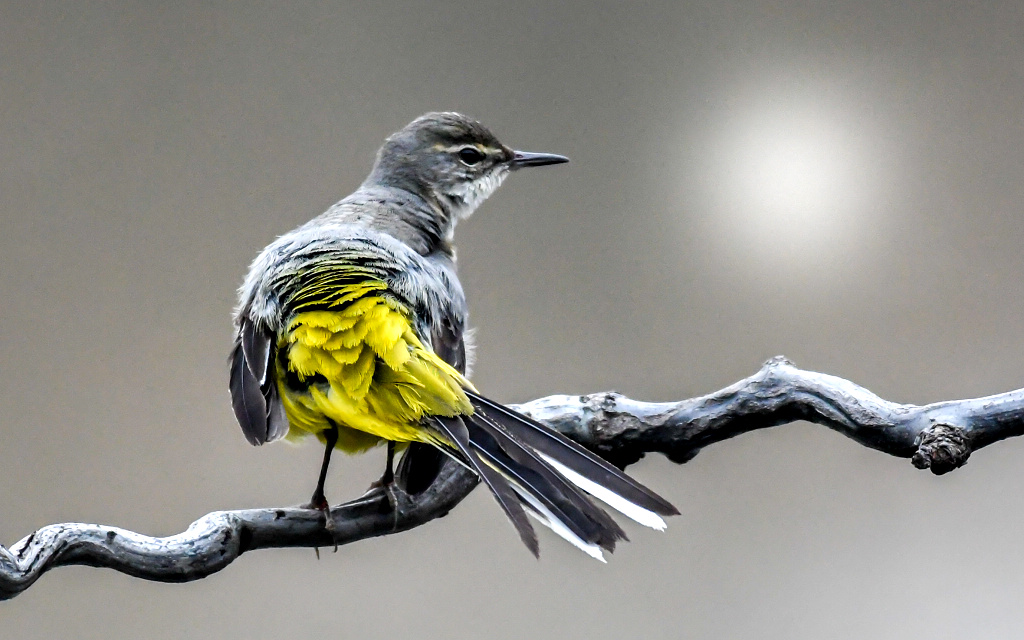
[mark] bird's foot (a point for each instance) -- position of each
(391, 490)
(386, 480)
(399, 501)
(319, 503)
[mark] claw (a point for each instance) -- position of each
(319, 503)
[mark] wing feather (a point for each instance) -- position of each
(254, 395)
(256, 348)
(247, 400)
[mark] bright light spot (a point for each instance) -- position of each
(791, 177)
(789, 185)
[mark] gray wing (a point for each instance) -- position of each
(253, 386)
(449, 343)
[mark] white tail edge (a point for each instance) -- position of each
(631, 510)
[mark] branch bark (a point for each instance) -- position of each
(939, 436)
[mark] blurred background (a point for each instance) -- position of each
(841, 183)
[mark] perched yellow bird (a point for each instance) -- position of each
(351, 328)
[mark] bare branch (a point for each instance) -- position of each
(939, 436)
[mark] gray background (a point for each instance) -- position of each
(840, 183)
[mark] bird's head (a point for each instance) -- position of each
(451, 159)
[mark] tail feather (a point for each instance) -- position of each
(580, 466)
(455, 430)
(532, 470)
(541, 513)
(531, 476)
(629, 509)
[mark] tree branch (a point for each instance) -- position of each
(939, 436)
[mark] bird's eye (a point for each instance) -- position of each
(470, 155)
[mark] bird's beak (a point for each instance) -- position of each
(529, 159)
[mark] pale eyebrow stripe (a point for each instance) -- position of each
(458, 147)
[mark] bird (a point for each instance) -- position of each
(352, 328)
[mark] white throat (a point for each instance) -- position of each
(467, 196)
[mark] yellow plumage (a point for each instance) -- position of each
(364, 369)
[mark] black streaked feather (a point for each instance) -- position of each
(247, 399)
(572, 455)
(566, 502)
(455, 430)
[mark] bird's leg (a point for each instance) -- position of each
(387, 480)
(319, 500)
(388, 477)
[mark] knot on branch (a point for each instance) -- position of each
(777, 361)
(942, 448)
